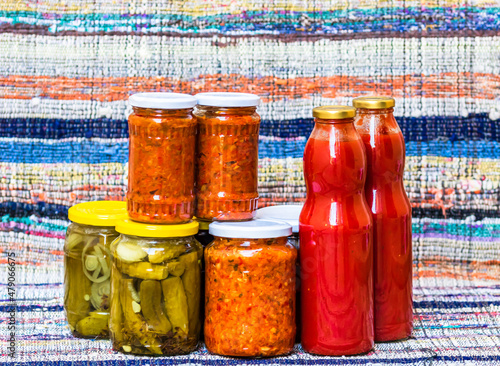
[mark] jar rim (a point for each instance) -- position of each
(129, 227)
(98, 213)
(159, 100)
(254, 229)
(227, 99)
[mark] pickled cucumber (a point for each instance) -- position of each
(134, 323)
(144, 270)
(116, 313)
(96, 324)
(164, 253)
(150, 293)
(176, 268)
(191, 283)
(77, 291)
(175, 303)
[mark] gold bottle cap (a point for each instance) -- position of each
(374, 102)
(334, 112)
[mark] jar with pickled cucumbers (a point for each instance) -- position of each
(87, 266)
(155, 289)
(227, 156)
(250, 289)
(162, 146)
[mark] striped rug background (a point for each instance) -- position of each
(67, 68)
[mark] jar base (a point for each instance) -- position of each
(180, 349)
(151, 213)
(226, 210)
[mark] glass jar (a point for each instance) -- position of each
(335, 226)
(205, 238)
(155, 289)
(227, 163)
(87, 266)
(250, 289)
(391, 211)
(289, 214)
(162, 146)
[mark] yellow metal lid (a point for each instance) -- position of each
(375, 102)
(129, 227)
(98, 213)
(334, 112)
(204, 224)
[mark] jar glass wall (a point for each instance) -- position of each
(87, 264)
(162, 146)
(250, 290)
(155, 291)
(227, 163)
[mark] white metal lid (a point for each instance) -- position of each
(288, 213)
(162, 100)
(255, 229)
(224, 99)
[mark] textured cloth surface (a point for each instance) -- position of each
(67, 68)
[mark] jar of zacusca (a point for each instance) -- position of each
(289, 214)
(155, 289)
(87, 266)
(250, 289)
(227, 157)
(162, 146)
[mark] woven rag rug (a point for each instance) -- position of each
(68, 67)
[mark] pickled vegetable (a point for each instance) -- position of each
(176, 303)
(250, 297)
(77, 292)
(87, 279)
(144, 270)
(192, 289)
(152, 309)
(227, 163)
(161, 166)
(157, 314)
(134, 323)
(96, 324)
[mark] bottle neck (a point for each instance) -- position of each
(162, 113)
(375, 111)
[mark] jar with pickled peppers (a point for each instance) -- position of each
(227, 158)
(162, 146)
(289, 214)
(87, 266)
(250, 289)
(155, 289)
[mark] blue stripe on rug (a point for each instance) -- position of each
(473, 127)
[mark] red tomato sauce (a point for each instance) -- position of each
(391, 212)
(336, 244)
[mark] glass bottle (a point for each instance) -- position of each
(391, 210)
(335, 228)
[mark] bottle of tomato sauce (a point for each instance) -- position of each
(391, 210)
(335, 228)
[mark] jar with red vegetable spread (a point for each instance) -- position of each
(227, 161)
(250, 289)
(162, 146)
